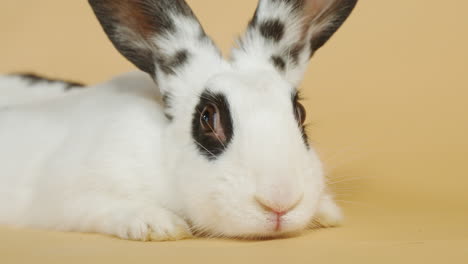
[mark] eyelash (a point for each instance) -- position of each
(299, 110)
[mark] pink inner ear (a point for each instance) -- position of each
(130, 13)
(315, 7)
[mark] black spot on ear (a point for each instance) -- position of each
(279, 63)
(208, 145)
(295, 52)
(131, 25)
(272, 29)
(168, 116)
(34, 79)
(296, 97)
(179, 59)
(166, 98)
(295, 4)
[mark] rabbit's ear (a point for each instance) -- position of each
(286, 33)
(161, 37)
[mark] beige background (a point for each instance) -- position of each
(387, 100)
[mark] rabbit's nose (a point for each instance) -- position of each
(279, 208)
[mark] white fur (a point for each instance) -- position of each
(15, 90)
(252, 45)
(106, 159)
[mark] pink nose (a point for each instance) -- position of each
(278, 207)
(278, 210)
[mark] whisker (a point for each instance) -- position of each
(199, 144)
(345, 180)
(335, 189)
(355, 203)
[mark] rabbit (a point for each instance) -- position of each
(193, 144)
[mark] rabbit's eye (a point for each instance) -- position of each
(211, 122)
(212, 127)
(300, 113)
(209, 119)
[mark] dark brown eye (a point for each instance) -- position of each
(300, 113)
(208, 118)
(210, 121)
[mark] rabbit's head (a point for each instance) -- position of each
(243, 164)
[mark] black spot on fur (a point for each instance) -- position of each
(34, 79)
(166, 99)
(168, 116)
(337, 14)
(179, 59)
(296, 5)
(208, 146)
(145, 19)
(295, 52)
(272, 29)
(295, 100)
(279, 63)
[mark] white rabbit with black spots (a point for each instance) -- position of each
(196, 145)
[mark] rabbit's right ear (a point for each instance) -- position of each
(161, 37)
(286, 33)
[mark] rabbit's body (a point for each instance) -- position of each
(68, 161)
(27, 88)
(217, 147)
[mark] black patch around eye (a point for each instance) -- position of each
(272, 29)
(208, 145)
(295, 100)
(34, 79)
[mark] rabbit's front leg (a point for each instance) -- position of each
(143, 223)
(328, 213)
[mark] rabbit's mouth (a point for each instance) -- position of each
(273, 226)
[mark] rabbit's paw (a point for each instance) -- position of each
(154, 225)
(328, 213)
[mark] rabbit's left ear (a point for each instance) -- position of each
(286, 33)
(161, 37)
